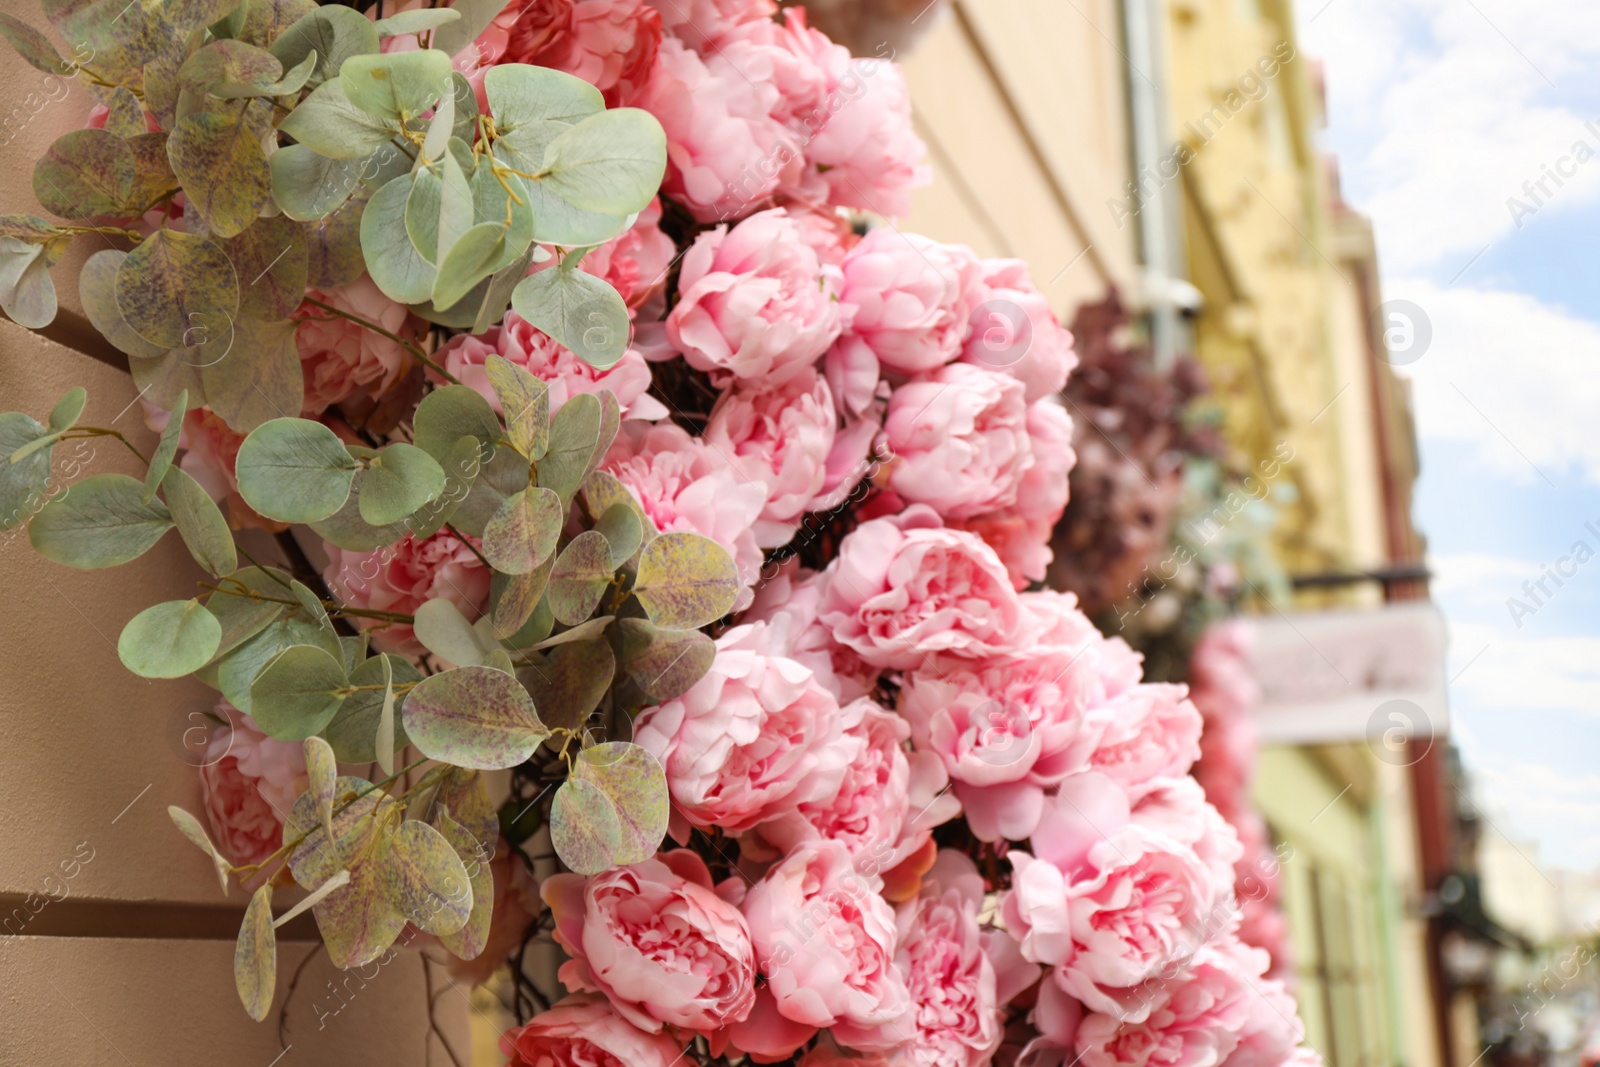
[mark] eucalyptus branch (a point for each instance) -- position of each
(80, 432)
(333, 606)
(422, 357)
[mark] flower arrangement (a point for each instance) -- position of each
(633, 469)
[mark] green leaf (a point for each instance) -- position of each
(383, 743)
(200, 523)
(664, 663)
(584, 827)
(124, 114)
(505, 475)
(223, 170)
(438, 209)
(396, 265)
(175, 282)
(631, 778)
(166, 448)
(186, 16)
(464, 106)
(426, 880)
(97, 290)
(578, 310)
(445, 632)
(27, 227)
(470, 941)
(250, 371)
(322, 775)
(611, 163)
(85, 173)
(160, 380)
(685, 581)
(491, 202)
(353, 731)
(420, 21)
(231, 64)
(30, 298)
(152, 170)
(446, 415)
(294, 470)
(255, 956)
(267, 20)
(239, 669)
(347, 529)
(523, 533)
(584, 632)
(330, 125)
(399, 481)
(93, 23)
(169, 640)
(475, 18)
(474, 717)
(360, 810)
(580, 578)
(307, 185)
(333, 244)
(526, 403)
(333, 33)
(475, 256)
(532, 106)
(270, 261)
(574, 434)
(23, 483)
(623, 532)
(570, 683)
(293, 80)
(396, 85)
(34, 47)
(297, 694)
(556, 221)
(518, 595)
(241, 617)
(101, 521)
(441, 127)
(313, 611)
(190, 827)
(65, 414)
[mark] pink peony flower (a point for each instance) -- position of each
(1177, 807)
(1015, 332)
(1060, 622)
(683, 484)
(402, 577)
(705, 24)
(249, 782)
(755, 737)
(1197, 1023)
(782, 435)
(959, 438)
(826, 941)
(787, 600)
(887, 805)
(611, 44)
(755, 302)
(656, 939)
(340, 359)
(1109, 902)
(1144, 734)
(567, 374)
(904, 588)
(725, 152)
(955, 1017)
(584, 1030)
(908, 302)
(1021, 533)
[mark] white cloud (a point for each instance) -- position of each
(1478, 578)
(1518, 673)
(1450, 106)
(1528, 799)
(1513, 377)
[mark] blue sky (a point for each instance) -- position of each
(1439, 111)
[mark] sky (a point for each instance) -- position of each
(1445, 115)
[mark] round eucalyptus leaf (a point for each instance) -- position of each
(330, 125)
(526, 403)
(333, 33)
(582, 312)
(225, 176)
(307, 185)
(65, 414)
(449, 414)
(584, 827)
(475, 255)
(420, 21)
(395, 263)
(271, 254)
(426, 880)
(623, 531)
(200, 523)
(396, 85)
(475, 717)
(399, 481)
(97, 289)
(23, 483)
(101, 521)
(232, 63)
(580, 577)
(574, 438)
(85, 173)
(294, 470)
(516, 597)
(298, 693)
(470, 941)
(31, 301)
(333, 245)
(664, 664)
(570, 682)
(445, 632)
(169, 640)
(255, 956)
(238, 670)
(166, 448)
(632, 779)
(685, 581)
(524, 532)
(611, 163)
(174, 283)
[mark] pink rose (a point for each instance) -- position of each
(959, 438)
(908, 301)
(753, 738)
(1108, 901)
(787, 601)
(826, 942)
(566, 374)
(683, 484)
(249, 782)
(725, 151)
(657, 940)
(1015, 332)
(585, 1031)
(340, 359)
(611, 44)
(1021, 533)
(755, 301)
(404, 576)
(1149, 732)
(704, 24)
(887, 804)
(1198, 1022)
(904, 588)
(955, 1016)
(779, 434)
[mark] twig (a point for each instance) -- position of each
(283, 1012)
(422, 356)
(433, 1022)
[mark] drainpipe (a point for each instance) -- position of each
(1165, 288)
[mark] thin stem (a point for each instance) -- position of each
(258, 565)
(472, 547)
(331, 605)
(422, 356)
(96, 431)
